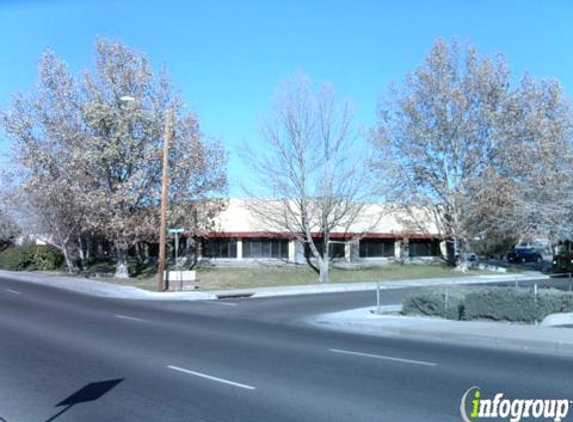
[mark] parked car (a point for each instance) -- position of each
(563, 258)
(524, 255)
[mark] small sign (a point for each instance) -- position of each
(175, 231)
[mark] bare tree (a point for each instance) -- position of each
(311, 180)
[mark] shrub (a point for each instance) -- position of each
(501, 304)
(31, 257)
(48, 258)
(495, 303)
(17, 258)
(445, 303)
(508, 304)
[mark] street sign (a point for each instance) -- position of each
(175, 231)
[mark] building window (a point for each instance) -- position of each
(376, 248)
(220, 248)
(337, 250)
(265, 248)
(424, 248)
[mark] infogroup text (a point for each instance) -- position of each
(474, 407)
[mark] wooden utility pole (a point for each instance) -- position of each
(164, 201)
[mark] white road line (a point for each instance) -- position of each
(221, 303)
(130, 318)
(369, 355)
(16, 292)
(209, 377)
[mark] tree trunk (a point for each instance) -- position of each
(192, 251)
(121, 270)
(81, 249)
(138, 254)
(145, 253)
(88, 248)
(68, 260)
(324, 265)
(461, 256)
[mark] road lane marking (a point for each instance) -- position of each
(221, 303)
(130, 318)
(16, 292)
(370, 355)
(212, 378)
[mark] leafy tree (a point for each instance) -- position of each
(9, 230)
(539, 121)
(459, 143)
(91, 146)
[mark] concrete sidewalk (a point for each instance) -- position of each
(491, 334)
(103, 289)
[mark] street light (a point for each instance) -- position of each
(164, 193)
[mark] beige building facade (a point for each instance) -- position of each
(382, 234)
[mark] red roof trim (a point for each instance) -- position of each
(251, 234)
(275, 235)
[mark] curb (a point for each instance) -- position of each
(104, 289)
(375, 326)
(371, 286)
(557, 346)
(556, 320)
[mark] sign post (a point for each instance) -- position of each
(180, 280)
(176, 232)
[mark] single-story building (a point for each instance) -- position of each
(383, 234)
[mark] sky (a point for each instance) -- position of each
(228, 56)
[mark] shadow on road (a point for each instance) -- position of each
(90, 392)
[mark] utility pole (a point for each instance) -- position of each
(164, 200)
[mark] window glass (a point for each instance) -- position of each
(265, 248)
(424, 248)
(375, 248)
(220, 248)
(337, 250)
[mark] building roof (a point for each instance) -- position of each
(241, 219)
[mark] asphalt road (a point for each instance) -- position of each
(70, 357)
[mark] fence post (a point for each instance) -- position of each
(446, 299)
(378, 298)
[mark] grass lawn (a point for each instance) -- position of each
(215, 278)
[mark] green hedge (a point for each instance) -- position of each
(510, 304)
(31, 257)
(436, 302)
(494, 303)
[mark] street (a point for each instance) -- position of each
(72, 357)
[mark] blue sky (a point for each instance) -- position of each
(227, 56)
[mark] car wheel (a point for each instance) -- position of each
(523, 260)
